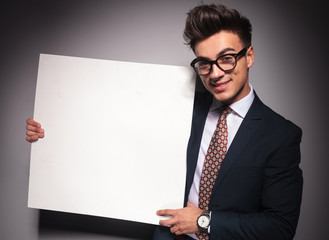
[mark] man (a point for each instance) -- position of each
(257, 191)
(243, 179)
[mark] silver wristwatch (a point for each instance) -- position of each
(203, 222)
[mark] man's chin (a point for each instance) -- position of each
(222, 97)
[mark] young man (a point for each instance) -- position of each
(243, 179)
(254, 189)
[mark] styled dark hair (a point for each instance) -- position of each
(206, 20)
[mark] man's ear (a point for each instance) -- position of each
(250, 55)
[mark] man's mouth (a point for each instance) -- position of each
(220, 86)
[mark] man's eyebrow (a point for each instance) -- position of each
(225, 50)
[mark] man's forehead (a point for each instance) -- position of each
(218, 44)
(216, 51)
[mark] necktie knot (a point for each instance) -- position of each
(225, 110)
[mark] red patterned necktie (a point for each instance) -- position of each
(215, 155)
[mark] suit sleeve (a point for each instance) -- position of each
(280, 199)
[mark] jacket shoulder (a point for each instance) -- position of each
(273, 121)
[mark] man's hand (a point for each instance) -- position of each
(183, 220)
(34, 130)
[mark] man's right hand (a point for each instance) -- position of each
(34, 130)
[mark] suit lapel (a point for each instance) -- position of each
(248, 128)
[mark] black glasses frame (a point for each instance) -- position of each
(241, 53)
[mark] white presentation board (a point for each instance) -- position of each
(115, 140)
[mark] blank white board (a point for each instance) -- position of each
(115, 137)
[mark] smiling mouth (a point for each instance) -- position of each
(220, 84)
(223, 84)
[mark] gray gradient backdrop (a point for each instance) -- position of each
(290, 75)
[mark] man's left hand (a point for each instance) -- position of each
(183, 220)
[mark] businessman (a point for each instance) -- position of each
(243, 179)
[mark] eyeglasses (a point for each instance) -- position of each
(226, 62)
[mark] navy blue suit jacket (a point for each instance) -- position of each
(257, 193)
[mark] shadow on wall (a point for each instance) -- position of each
(51, 220)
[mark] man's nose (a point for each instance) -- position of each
(216, 72)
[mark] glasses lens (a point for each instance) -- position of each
(226, 62)
(202, 67)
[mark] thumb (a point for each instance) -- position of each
(189, 204)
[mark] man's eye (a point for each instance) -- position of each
(203, 64)
(226, 59)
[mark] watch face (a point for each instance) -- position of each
(204, 221)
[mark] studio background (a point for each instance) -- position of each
(290, 75)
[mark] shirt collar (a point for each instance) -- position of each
(240, 107)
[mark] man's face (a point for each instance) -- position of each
(229, 86)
